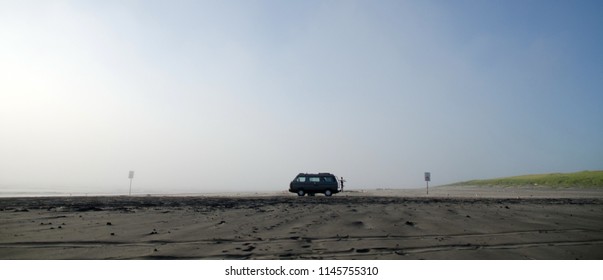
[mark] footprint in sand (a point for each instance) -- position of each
(358, 224)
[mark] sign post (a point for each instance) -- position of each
(427, 179)
(131, 176)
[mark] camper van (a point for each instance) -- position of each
(306, 183)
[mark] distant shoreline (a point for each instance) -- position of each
(438, 191)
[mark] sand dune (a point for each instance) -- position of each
(384, 224)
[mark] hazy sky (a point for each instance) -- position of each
(243, 95)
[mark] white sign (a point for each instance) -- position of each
(131, 175)
(427, 176)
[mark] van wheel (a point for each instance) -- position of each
(328, 193)
(301, 193)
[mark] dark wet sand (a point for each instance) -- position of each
(352, 226)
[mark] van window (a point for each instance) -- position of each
(328, 179)
(314, 179)
(300, 179)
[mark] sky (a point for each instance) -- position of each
(208, 96)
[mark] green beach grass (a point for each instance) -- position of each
(583, 179)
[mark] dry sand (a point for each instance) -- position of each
(450, 223)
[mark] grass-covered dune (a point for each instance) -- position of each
(583, 179)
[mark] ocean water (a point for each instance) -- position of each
(29, 191)
(42, 193)
(46, 192)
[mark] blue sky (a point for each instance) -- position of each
(243, 95)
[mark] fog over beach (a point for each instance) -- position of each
(239, 96)
(172, 130)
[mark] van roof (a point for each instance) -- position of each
(315, 174)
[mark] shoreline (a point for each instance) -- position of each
(439, 191)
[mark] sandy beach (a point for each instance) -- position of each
(449, 223)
